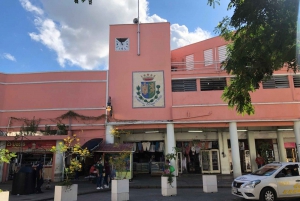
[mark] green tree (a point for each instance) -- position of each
(6, 156)
(262, 35)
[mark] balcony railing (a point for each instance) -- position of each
(197, 66)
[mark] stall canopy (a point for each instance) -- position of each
(115, 148)
(92, 144)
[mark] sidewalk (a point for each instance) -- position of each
(139, 181)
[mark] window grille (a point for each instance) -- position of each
(211, 84)
(184, 85)
(296, 79)
(208, 57)
(189, 62)
(222, 53)
(276, 82)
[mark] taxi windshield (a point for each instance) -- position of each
(266, 170)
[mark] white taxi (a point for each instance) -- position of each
(272, 181)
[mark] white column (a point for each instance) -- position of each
(223, 148)
(297, 136)
(252, 149)
(58, 166)
(235, 151)
(109, 138)
(171, 141)
(281, 149)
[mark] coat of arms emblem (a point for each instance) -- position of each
(148, 91)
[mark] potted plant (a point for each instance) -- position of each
(120, 183)
(62, 128)
(69, 149)
(5, 157)
(168, 179)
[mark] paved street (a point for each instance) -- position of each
(155, 195)
(143, 188)
(184, 194)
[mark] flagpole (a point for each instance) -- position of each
(138, 32)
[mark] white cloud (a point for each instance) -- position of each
(79, 33)
(29, 7)
(180, 36)
(8, 56)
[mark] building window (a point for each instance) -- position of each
(222, 53)
(208, 57)
(276, 82)
(296, 79)
(184, 85)
(189, 62)
(211, 84)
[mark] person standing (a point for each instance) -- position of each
(107, 173)
(99, 168)
(260, 161)
(39, 177)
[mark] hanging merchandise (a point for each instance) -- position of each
(157, 146)
(152, 147)
(161, 147)
(197, 147)
(193, 149)
(140, 146)
(146, 146)
(134, 147)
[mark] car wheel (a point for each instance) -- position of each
(267, 194)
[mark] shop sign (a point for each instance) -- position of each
(289, 145)
(25, 146)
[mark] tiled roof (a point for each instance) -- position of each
(115, 148)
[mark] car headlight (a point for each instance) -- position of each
(251, 184)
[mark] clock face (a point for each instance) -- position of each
(122, 44)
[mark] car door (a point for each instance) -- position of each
(288, 186)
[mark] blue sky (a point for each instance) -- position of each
(55, 35)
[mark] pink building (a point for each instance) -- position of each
(165, 98)
(38, 103)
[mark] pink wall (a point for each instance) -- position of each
(155, 56)
(47, 96)
(277, 104)
(197, 49)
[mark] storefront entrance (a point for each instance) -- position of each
(210, 161)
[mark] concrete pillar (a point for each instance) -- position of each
(58, 165)
(252, 149)
(223, 148)
(2, 146)
(281, 149)
(297, 136)
(171, 141)
(235, 151)
(109, 138)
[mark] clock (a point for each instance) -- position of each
(122, 44)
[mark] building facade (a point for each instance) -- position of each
(164, 98)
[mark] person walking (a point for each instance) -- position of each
(260, 161)
(99, 168)
(39, 177)
(107, 173)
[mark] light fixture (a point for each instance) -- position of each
(285, 129)
(109, 106)
(195, 131)
(151, 131)
(242, 130)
